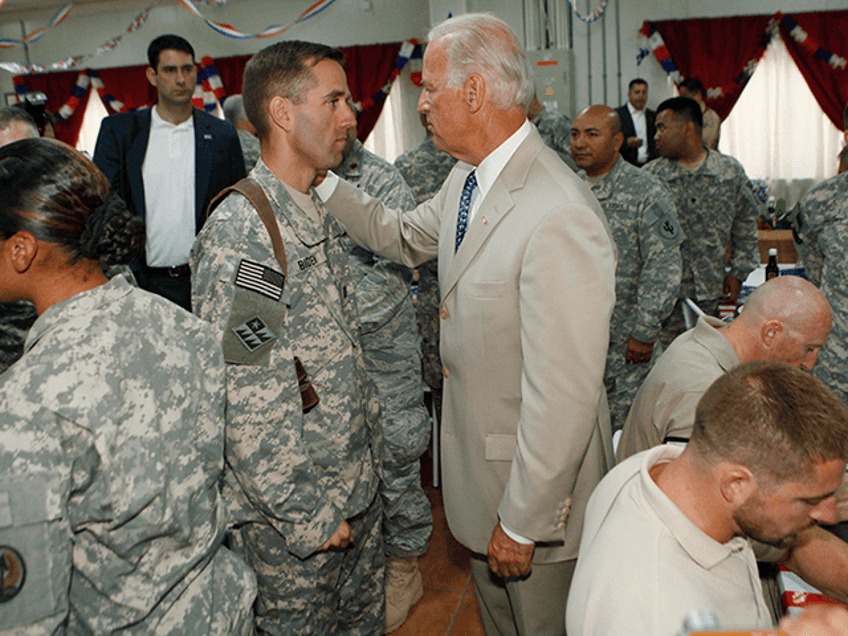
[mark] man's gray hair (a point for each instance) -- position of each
(483, 43)
(10, 115)
(234, 109)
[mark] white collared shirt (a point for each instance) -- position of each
(640, 123)
(168, 173)
(493, 164)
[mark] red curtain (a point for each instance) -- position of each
(826, 34)
(716, 51)
(368, 69)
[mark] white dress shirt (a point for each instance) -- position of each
(169, 191)
(640, 123)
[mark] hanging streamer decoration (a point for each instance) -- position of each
(597, 14)
(810, 44)
(70, 62)
(85, 79)
(231, 32)
(406, 52)
(58, 17)
(137, 23)
(209, 90)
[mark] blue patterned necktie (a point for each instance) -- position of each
(464, 205)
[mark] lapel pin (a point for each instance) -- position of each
(207, 136)
(485, 220)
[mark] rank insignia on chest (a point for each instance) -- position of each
(254, 333)
(260, 279)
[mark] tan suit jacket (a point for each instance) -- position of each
(526, 304)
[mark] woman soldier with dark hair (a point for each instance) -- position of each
(112, 425)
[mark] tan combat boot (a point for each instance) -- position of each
(404, 588)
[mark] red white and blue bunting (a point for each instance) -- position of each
(191, 5)
(407, 51)
(653, 42)
(58, 17)
(597, 14)
(810, 44)
(209, 89)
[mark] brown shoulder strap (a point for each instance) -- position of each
(253, 192)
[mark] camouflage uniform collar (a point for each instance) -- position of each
(84, 303)
(710, 166)
(605, 186)
(305, 228)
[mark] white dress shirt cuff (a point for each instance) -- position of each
(516, 537)
(328, 186)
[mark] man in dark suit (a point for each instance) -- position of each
(167, 163)
(527, 278)
(638, 125)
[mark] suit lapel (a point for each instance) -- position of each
(497, 203)
(135, 160)
(202, 164)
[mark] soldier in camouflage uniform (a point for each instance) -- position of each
(391, 348)
(250, 148)
(821, 218)
(714, 204)
(112, 428)
(641, 215)
(555, 129)
(302, 482)
(425, 169)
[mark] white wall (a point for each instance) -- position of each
(344, 23)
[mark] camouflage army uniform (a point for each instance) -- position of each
(293, 477)
(425, 169)
(644, 224)
(713, 203)
(250, 149)
(112, 453)
(555, 129)
(391, 349)
(17, 316)
(822, 222)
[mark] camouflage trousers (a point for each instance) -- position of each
(217, 603)
(391, 349)
(623, 380)
(428, 315)
(675, 324)
(330, 592)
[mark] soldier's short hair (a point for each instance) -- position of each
(168, 42)
(773, 418)
(10, 115)
(692, 85)
(483, 43)
(283, 69)
(685, 107)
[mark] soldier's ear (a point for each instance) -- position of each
(280, 113)
(769, 330)
(20, 250)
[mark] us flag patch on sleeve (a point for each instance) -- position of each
(260, 279)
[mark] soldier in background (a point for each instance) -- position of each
(112, 426)
(234, 113)
(641, 215)
(391, 348)
(425, 169)
(711, 130)
(16, 316)
(714, 204)
(554, 127)
(302, 483)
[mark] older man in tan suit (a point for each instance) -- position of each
(527, 274)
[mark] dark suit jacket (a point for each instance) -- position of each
(122, 144)
(629, 130)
